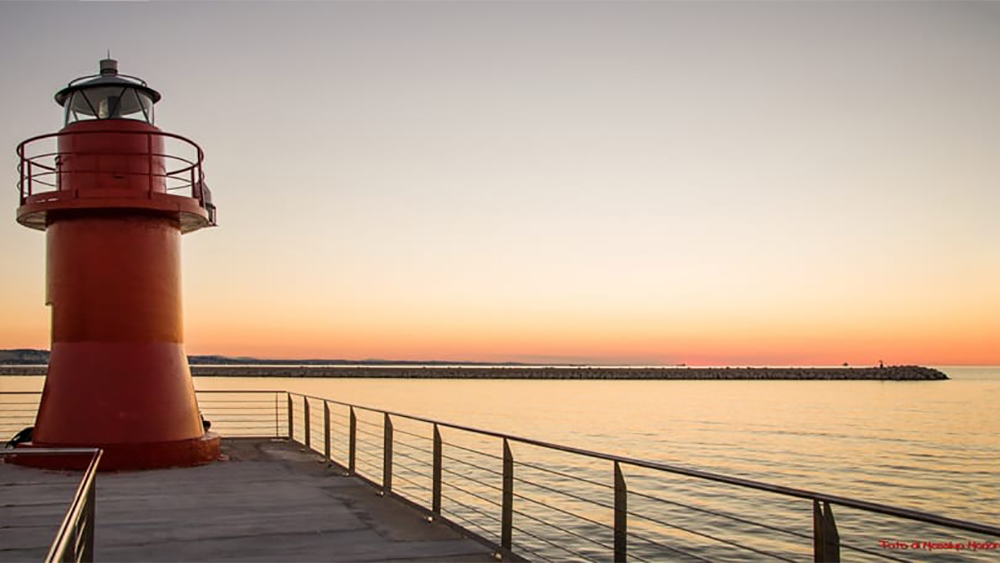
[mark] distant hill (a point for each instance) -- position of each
(24, 356)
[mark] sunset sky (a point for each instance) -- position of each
(763, 183)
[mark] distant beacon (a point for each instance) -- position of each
(114, 194)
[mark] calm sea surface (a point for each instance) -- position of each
(931, 446)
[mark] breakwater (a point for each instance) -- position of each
(887, 373)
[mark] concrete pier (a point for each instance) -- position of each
(270, 502)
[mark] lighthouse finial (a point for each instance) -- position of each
(109, 66)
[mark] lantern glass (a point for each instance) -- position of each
(109, 102)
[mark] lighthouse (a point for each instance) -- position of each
(114, 194)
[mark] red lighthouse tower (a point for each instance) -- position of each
(114, 194)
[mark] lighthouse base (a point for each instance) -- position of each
(118, 457)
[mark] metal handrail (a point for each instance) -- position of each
(825, 536)
(26, 142)
(36, 159)
(74, 541)
(66, 546)
(261, 409)
(737, 481)
(190, 173)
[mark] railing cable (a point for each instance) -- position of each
(466, 477)
(553, 544)
(468, 492)
(405, 480)
(563, 511)
(398, 431)
(472, 508)
(721, 515)
(610, 548)
(408, 456)
(564, 493)
(484, 454)
(667, 547)
(459, 460)
(566, 475)
(399, 442)
(711, 537)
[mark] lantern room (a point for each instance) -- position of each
(107, 95)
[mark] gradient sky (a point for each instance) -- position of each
(764, 183)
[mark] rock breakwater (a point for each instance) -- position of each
(888, 373)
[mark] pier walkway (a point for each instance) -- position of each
(271, 501)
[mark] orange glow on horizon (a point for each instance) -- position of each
(554, 331)
(609, 343)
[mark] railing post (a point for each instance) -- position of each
(276, 411)
(149, 165)
(436, 487)
(826, 539)
(29, 183)
(621, 516)
(387, 455)
(291, 419)
(87, 553)
(326, 431)
(507, 515)
(307, 422)
(20, 183)
(59, 174)
(353, 441)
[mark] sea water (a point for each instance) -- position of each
(932, 446)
